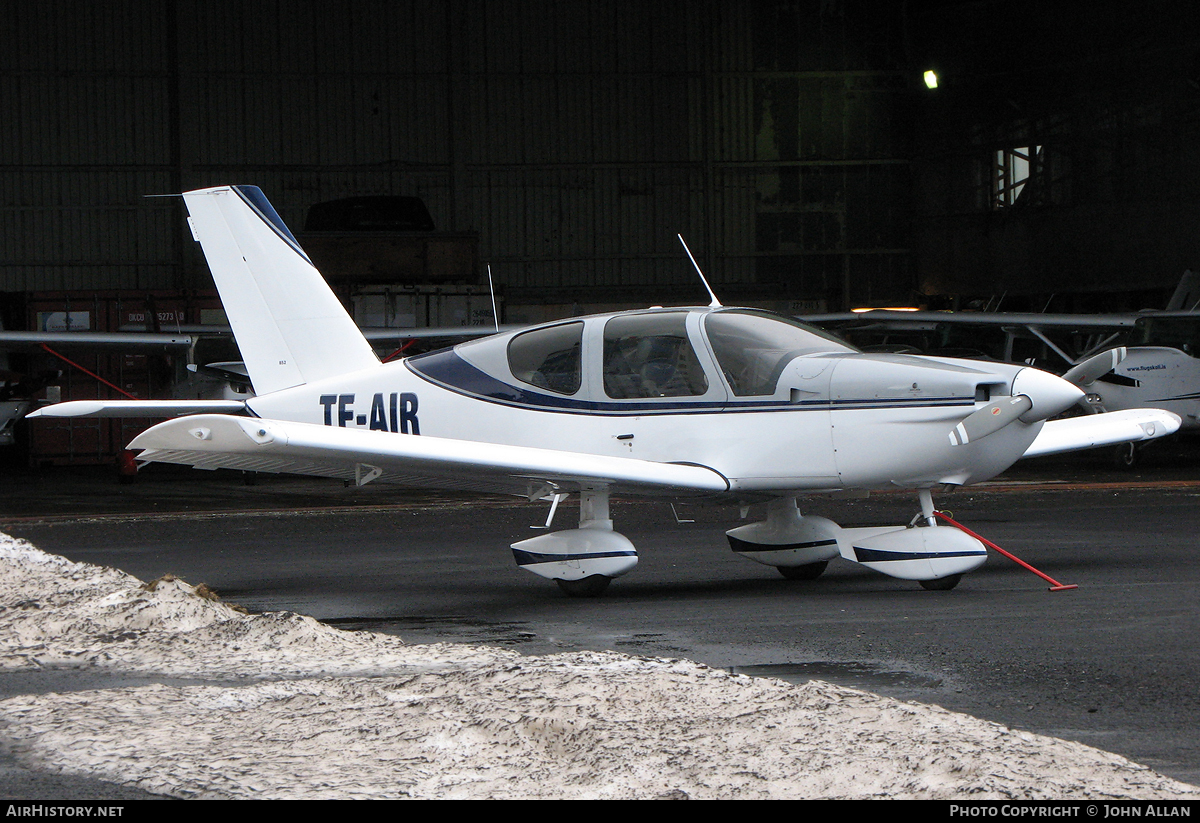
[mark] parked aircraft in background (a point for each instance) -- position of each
(1152, 356)
(1160, 370)
(17, 389)
(201, 348)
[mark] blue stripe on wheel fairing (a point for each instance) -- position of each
(743, 547)
(878, 556)
(525, 558)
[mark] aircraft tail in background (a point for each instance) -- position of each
(1186, 296)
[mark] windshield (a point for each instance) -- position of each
(1181, 333)
(753, 347)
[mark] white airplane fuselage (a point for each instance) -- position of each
(1157, 377)
(826, 426)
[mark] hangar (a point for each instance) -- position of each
(797, 145)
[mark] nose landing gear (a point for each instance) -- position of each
(802, 546)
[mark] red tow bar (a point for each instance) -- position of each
(1055, 586)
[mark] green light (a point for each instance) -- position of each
(931, 79)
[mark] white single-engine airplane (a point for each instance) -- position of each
(712, 402)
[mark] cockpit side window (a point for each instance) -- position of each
(649, 355)
(548, 358)
(1181, 333)
(753, 348)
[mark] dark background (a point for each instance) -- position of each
(793, 143)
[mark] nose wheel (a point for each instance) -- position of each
(942, 584)
(592, 586)
(809, 571)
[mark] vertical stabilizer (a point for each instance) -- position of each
(289, 325)
(1187, 293)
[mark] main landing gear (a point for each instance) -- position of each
(942, 584)
(583, 561)
(809, 571)
(593, 586)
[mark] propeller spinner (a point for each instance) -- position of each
(1036, 396)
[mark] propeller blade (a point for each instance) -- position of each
(1095, 367)
(991, 418)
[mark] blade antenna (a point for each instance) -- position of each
(715, 304)
(492, 289)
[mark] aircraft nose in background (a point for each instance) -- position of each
(1050, 394)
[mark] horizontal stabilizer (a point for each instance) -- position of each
(139, 408)
(250, 444)
(232, 372)
(1109, 429)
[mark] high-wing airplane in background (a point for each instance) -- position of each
(702, 402)
(1147, 359)
(1161, 370)
(194, 344)
(17, 390)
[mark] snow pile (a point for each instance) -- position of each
(456, 721)
(55, 613)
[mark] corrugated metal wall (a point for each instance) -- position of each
(77, 149)
(1107, 219)
(577, 138)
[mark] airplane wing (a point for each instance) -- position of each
(138, 408)
(121, 341)
(254, 444)
(1109, 429)
(377, 334)
(902, 319)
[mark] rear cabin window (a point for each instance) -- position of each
(649, 355)
(752, 348)
(548, 358)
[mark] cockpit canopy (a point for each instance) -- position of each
(1172, 331)
(648, 355)
(659, 354)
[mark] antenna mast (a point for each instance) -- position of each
(492, 289)
(715, 304)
